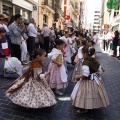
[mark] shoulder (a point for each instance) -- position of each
(86, 63)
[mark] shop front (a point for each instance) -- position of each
(7, 10)
(22, 7)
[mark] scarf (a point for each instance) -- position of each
(92, 63)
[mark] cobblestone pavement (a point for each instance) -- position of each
(63, 110)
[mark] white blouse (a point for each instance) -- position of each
(86, 70)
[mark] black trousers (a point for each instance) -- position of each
(16, 51)
(30, 46)
(115, 50)
(46, 43)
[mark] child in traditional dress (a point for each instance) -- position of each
(89, 92)
(31, 89)
(79, 60)
(57, 79)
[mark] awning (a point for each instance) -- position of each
(69, 25)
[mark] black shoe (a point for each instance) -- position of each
(113, 55)
(82, 111)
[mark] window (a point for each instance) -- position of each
(96, 19)
(96, 22)
(97, 11)
(97, 15)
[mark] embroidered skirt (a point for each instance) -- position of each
(33, 94)
(90, 95)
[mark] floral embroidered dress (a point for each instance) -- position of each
(90, 93)
(31, 90)
(58, 77)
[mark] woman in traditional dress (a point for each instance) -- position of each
(78, 66)
(57, 79)
(89, 92)
(31, 89)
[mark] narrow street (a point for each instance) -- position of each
(63, 110)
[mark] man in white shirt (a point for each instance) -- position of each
(32, 34)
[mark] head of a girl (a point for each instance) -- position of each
(2, 32)
(39, 54)
(84, 42)
(88, 52)
(59, 44)
(90, 43)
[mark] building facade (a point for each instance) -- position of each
(27, 8)
(81, 17)
(111, 18)
(73, 11)
(96, 21)
(51, 12)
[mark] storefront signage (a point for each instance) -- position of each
(9, 0)
(106, 26)
(24, 4)
(67, 17)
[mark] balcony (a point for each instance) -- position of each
(48, 4)
(77, 8)
(72, 4)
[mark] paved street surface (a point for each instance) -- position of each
(63, 110)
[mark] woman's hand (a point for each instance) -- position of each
(59, 64)
(47, 73)
(77, 77)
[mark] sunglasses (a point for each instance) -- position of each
(1, 19)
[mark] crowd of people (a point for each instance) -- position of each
(35, 89)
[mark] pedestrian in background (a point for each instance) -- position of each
(32, 34)
(17, 30)
(115, 43)
(46, 35)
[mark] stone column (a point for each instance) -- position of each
(13, 10)
(1, 10)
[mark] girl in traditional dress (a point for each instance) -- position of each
(78, 66)
(57, 79)
(89, 92)
(31, 89)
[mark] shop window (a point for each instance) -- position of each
(17, 10)
(44, 18)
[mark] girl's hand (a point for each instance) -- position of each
(47, 73)
(59, 64)
(77, 77)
